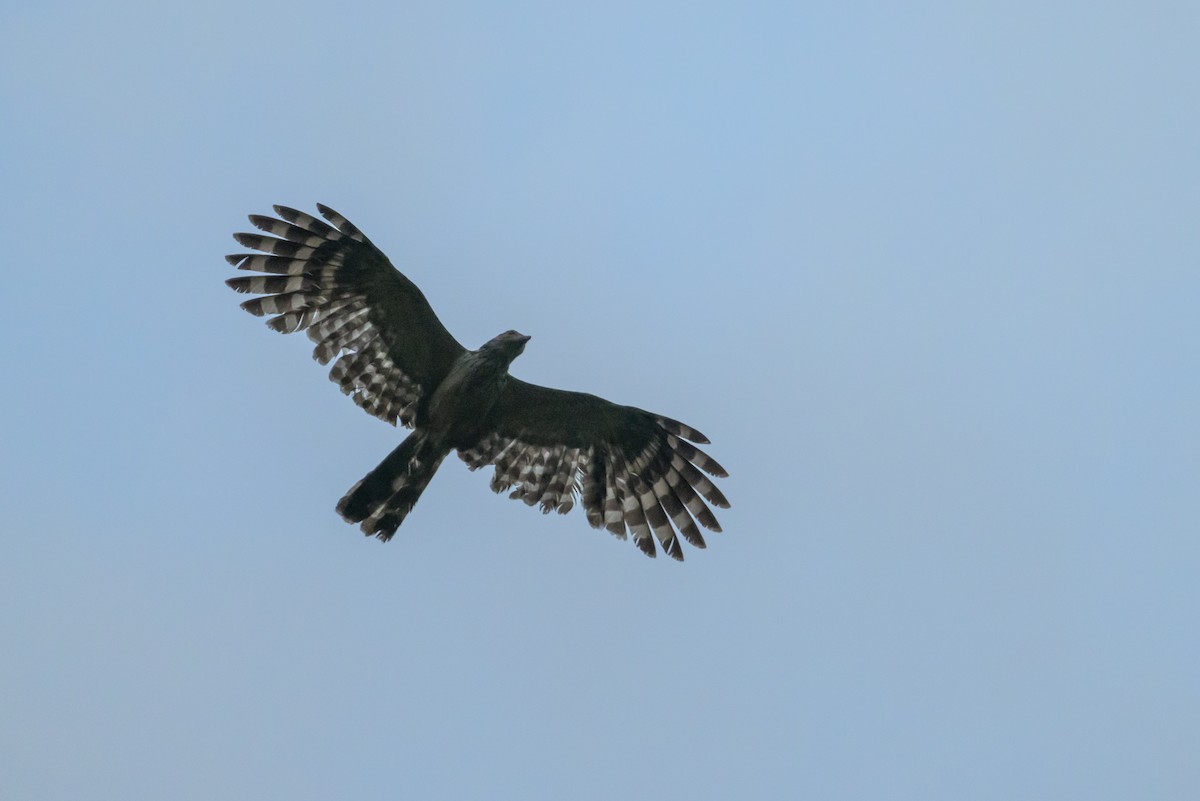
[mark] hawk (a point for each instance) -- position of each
(631, 470)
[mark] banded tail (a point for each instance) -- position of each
(385, 496)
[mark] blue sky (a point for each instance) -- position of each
(926, 275)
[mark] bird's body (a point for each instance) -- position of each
(458, 417)
(462, 403)
(630, 469)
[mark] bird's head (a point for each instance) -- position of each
(508, 345)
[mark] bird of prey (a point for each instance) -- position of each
(632, 470)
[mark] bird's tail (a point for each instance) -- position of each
(385, 496)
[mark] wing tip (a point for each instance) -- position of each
(682, 430)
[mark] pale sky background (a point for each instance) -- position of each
(926, 273)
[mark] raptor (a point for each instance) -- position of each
(636, 473)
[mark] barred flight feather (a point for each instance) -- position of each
(307, 222)
(672, 504)
(681, 429)
(276, 247)
(263, 284)
(288, 231)
(614, 497)
(591, 494)
(343, 225)
(335, 334)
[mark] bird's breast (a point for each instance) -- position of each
(460, 405)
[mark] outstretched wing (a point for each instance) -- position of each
(630, 469)
(391, 349)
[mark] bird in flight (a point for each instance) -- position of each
(632, 470)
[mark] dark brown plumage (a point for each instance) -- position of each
(633, 471)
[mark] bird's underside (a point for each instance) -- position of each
(634, 472)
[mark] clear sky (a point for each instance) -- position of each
(926, 273)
